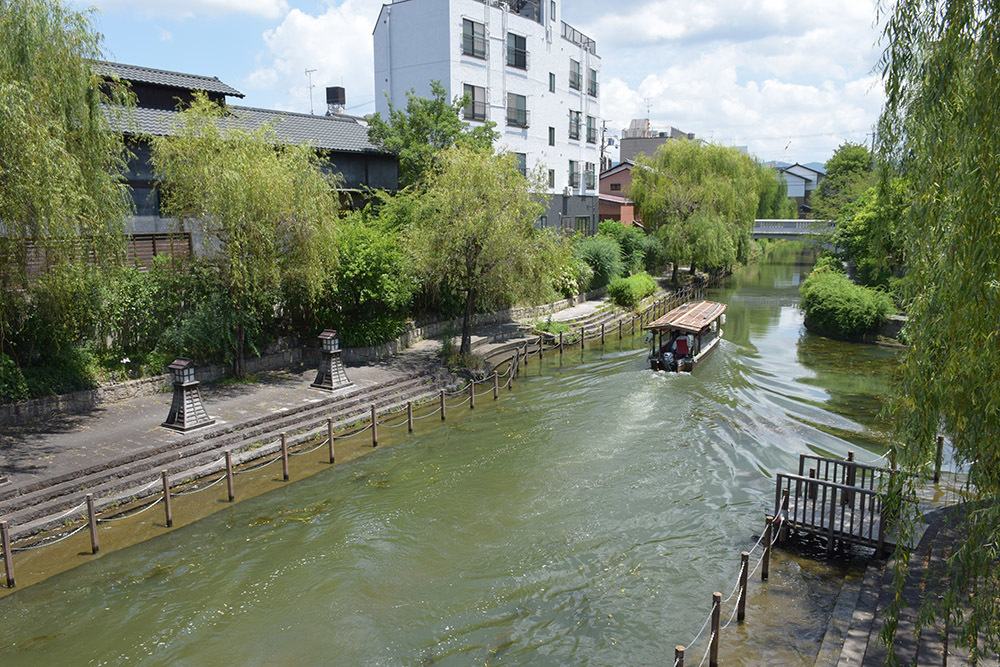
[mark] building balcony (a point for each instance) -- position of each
(475, 46)
(475, 110)
(573, 35)
(518, 117)
(575, 80)
(517, 58)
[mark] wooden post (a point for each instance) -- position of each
(230, 486)
(619, 329)
(442, 405)
(783, 529)
(496, 385)
(472, 394)
(92, 520)
(602, 334)
(851, 479)
(284, 456)
(937, 459)
(374, 427)
(679, 656)
(812, 487)
(741, 601)
(541, 347)
(560, 343)
(166, 499)
(633, 326)
(409, 413)
(766, 563)
(713, 651)
(8, 559)
(331, 452)
(583, 336)
(832, 518)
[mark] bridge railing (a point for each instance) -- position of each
(793, 227)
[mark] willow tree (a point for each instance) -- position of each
(474, 230)
(267, 213)
(63, 201)
(700, 199)
(941, 128)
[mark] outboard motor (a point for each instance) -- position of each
(668, 361)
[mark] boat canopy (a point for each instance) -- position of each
(690, 317)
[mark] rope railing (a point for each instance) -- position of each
(197, 489)
(310, 450)
(244, 471)
(707, 650)
(129, 515)
(429, 414)
(49, 542)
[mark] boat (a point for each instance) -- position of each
(684, 337)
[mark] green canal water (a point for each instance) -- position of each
(585, 519)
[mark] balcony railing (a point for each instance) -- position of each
(518, 117)
(517, 58)
(574, 129)
(574, 179)
(575, 80)
(592, 88)
(475, 110)
(590, 179)
(578, 38)
(591, 135)
(475, 46)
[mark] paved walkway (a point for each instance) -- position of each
(66, 443)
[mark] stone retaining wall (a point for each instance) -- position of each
(284, 353)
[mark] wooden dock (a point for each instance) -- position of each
(838, 500)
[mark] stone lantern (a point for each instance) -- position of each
(331, 374)
(186, 409)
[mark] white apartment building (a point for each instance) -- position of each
(523, 68)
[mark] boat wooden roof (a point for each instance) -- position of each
(690, 317)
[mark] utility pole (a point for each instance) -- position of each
(309, 73)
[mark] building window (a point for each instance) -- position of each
(552, 10)
(591, 130)
(552, 82)
(615, 187)
(522, 163)
(574, 124)
(517, 110)
(582, 224)
(517, 51)
(592, 83)
(473, 39)
(552, 136)
(552, 178)
(574, 174)
(575, 77)
(590, 175)
(543, 221)
(146, 200)
(476, 108)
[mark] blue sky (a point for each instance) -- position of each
(790, 80)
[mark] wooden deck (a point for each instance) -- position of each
(838, 500)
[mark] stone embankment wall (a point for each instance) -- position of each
(284, 353)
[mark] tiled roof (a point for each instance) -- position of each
(337, 133)
(209, 84)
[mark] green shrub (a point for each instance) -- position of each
(835, 305)
(13, 388)
(635, 245)
(628, 292)
(830, 262)
(603, 255)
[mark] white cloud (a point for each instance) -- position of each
(268, 9)
(165, 35)
(336, 43)
(762, 74)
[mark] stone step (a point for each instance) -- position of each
(29, 507)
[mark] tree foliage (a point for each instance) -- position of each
(700, 199)
(473, 231)
(868, 232)
(941, 129)
(417, 133)
(62, 197)
(267, 212)
(849, 174)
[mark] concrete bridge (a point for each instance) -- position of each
(796, 230)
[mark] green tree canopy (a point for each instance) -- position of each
(474, 231)
(700, 199)
(848, 175)
(941, 129)
(417, 133)
(267, 211)
(62, 196)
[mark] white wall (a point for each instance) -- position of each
(417, 40)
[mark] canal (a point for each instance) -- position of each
(584, 519)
